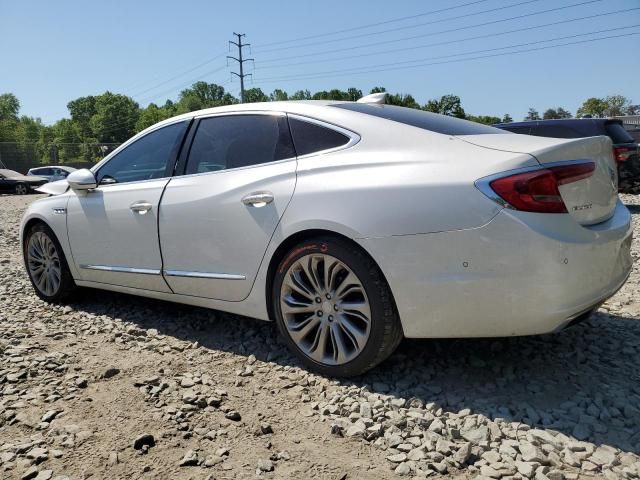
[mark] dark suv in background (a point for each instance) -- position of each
(625, 150)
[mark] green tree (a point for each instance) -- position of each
(255, 95)
(532, 115)
(378, 90)
(402, 100)
(82, 110)
(151, 115)
(278, 95)
(115, 118)
(354, 94)
(486, 119)
(301, 95)
(203, 95)
(616, 105)
(555, 113)
(9, 106)
(66, 141)
(447, 105)
(593, 107)
(507, 118)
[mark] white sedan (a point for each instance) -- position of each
(351, 225)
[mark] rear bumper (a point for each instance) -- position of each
(520, 274)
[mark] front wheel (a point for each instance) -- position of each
(46, 264)
(334, 308)
(21, 189)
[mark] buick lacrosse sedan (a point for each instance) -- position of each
(351, 225)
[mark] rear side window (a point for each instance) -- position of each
(617, 133)
(236, 141)
(555, 131)
(421, 119)
(312, 138)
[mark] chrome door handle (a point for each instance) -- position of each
(258, 199)
(140, 207)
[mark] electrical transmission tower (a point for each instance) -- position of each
(241, 62)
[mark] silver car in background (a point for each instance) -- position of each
(53, 173)
(351, 225)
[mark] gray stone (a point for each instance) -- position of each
(265, 465)
(397, 458)
(531, 453)
(475, 435)
(144, 439)
(403, 469)
(190, 459)
(463, 454)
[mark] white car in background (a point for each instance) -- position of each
(53, 173)
(351, 225)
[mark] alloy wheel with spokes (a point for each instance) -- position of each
(21, 189)
(334, 308)
(46, 264)
(43, 262)
(325, 309)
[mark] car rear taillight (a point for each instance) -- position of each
(537, 191)
(622, 154)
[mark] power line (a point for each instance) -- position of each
(179, 75)
(241, 62)
(369, 25)
(373, 69)
(433, 22)
(447, 42)
(450, 30)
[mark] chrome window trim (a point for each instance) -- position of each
(110, 268)
(354, 138)
(483, 184)
(132, 140)
(216, 276)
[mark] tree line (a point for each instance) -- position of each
(111, 118)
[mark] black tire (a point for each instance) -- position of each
(385, 328)
(21, 189)
(67, 286)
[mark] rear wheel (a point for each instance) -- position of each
(21, 189)
(46, 264)
(334, 308)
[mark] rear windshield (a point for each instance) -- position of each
(421, 119)
(617, 133)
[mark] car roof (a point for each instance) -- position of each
(9, 173)
(292, 106)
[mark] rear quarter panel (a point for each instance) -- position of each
(398, 180)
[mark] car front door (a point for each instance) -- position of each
(113, 230)
(217, 219)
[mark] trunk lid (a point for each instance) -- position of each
(590, 200)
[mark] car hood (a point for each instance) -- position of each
(54, 188)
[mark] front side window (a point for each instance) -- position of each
(311, 138)
(145, 159)
(234, 141)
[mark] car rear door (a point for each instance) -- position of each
(113, 230)
(217, 219)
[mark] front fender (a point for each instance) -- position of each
(52, 212)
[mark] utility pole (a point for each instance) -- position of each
(240, 61)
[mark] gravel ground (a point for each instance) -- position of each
(114, 386)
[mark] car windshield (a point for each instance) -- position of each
(618, 133)
(9, 173)
(421, 119)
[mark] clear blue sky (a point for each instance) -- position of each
(53, 52)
